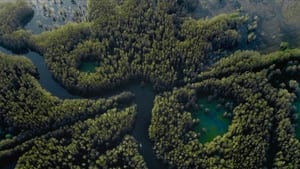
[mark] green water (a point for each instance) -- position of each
(89, 67)
(212, 121)
(297, 129)
(4, 135)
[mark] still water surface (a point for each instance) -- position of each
(144, 96)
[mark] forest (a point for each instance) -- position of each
(157, 43)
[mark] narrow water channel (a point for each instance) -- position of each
(45, 78)
(144, 97)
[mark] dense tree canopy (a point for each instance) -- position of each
(156, 42)
(129, 40)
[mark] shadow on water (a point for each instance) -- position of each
(144, 97)
(3, 50)
(9, 164)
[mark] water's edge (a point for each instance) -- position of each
(144, 97)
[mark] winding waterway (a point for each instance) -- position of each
(273, 28)
(144, 97)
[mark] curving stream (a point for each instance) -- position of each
(144, 97)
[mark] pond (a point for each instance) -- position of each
(88, 67)
(4, 134)
(275, 24)
(213, 118)
(144, 97)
